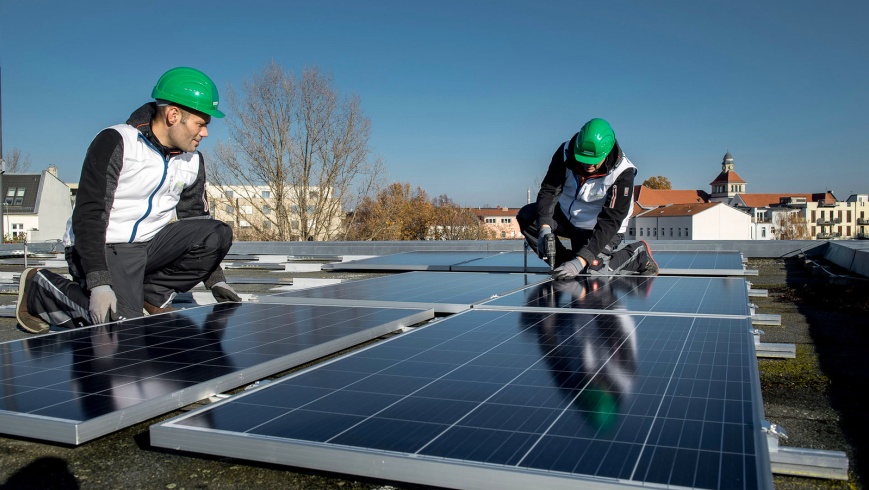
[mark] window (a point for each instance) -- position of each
(15, 196)
(17, 230)
(680, 231)
(631, 232)
(230, 209)
(491, 220)
(686, 232)
(513, 233)
(763, 232)
(265, 194)
(244, 224)
(671, 232)
(294, 209)
(648, 232)
(314, 195)
(506, 220)
(503, 234)
(641, 232)
(267, 210)
(294, 224)
(228, 194)
(247, 209)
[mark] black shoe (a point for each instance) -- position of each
(31, 323)
(649, 267)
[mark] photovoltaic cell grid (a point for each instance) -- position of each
(74, 386)
(410, 261)
(669, 295)
(500, 399)
(446, 292)
(706, 263)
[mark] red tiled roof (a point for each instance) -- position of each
(651, 198)
(764, 200)
(495, 212)
(680, 209)
(728, 178)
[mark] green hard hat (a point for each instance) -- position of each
(188, 87)
(594, 142)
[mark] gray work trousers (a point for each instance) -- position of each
(180, 256)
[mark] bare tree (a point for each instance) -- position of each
(790, 226)
(16, 162)
(304, 145)
(453, 222)
(658, 182)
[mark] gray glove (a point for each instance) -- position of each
(103, 305)
(541, 241)
(568, 270)
(223, 292)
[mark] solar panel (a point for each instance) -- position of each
(707, 263)
(667, 295)
(74, 386)
(505, 262)
(496, 399)
(697, 263)
(410, 261)
(446, 292)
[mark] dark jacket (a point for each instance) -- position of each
(601, 203)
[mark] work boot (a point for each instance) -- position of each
(154, 310)
(31, 323)
(648, 265)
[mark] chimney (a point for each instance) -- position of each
(52, 169)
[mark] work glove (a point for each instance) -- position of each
(597, 267)
(568, 270)
(541, 241)
(103, 305)
(223, 292)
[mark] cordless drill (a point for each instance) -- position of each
(549, 246)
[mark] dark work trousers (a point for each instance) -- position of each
(179, 256)
(627, 260)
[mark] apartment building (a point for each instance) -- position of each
(500, 222)
(36, 206)
(697, 221)
(252, 212)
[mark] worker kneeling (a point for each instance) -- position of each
(587, 196)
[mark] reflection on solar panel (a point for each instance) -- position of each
(493, 399)
(410, 261)
(700, 262)
(505, 262)
(75, 386)
(446, 292)
(693, 296)
(696, 263)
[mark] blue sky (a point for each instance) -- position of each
(471, 98)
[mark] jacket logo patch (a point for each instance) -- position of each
(627, 191)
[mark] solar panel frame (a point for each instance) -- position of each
(724, 297)
(411, 261)
(26, 360)
(445, 292)
(681, 263)
(701, 352)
